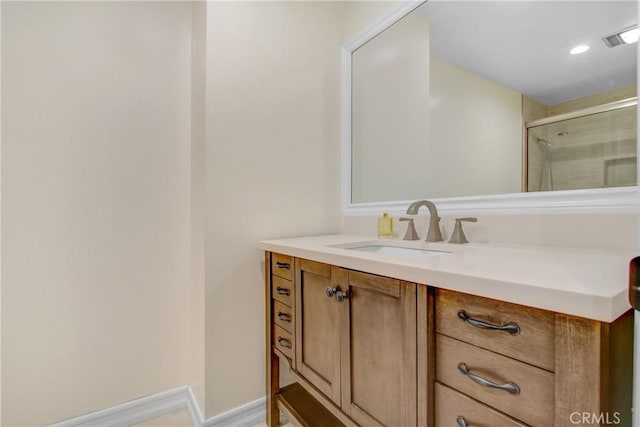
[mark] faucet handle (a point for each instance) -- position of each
(458, 234)
(467, 218)
(411, 230)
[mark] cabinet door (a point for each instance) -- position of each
(317, 327)
(378, 320)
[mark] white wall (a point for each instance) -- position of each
(96, 205)
(272, 165)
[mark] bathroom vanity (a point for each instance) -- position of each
(434, 334)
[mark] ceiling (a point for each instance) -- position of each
(525, 45)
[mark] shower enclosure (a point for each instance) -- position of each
(591, 148)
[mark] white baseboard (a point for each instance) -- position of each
(247, 415)
(197, 418)
(155, 405)
(134, 411)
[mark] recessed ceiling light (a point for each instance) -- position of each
(579, 49)
(630, 36)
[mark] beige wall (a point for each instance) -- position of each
(96, 205)
(272, 165)
(475, 137)
(198, 185)
(114, 160)
(0, 217)
(115, 163)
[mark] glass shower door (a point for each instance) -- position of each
(590, 151)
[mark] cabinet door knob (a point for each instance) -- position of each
(341, 296)
(510, 327)
(510, 388)
(461, 421)
(330, 292)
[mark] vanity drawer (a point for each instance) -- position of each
(282, 290)
(534, 343)
(282, 266)
(283, 341)
(283, 316)
(533, 403)
(450, 405)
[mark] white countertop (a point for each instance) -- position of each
(585, 283)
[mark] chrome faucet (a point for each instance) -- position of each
(434, 234)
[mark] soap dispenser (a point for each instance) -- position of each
(385, 226)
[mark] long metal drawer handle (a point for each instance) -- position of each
(284, 317)
(283, 291)
(510, 327)
(509, 387)
(284, 343)
(283, 265)
(461, 422)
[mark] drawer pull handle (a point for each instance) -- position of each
(510, 327)
(509, 387)
(461, 422)
(283, 265)
(283, 291)
(284, 317)
(284, 342)
(330, 292)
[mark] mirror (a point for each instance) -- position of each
(440, 100)
(581, 151)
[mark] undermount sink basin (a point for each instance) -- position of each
(397, 251)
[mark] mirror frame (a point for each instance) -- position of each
(599, 200)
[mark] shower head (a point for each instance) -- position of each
(544, 144)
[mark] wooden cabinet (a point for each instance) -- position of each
(531, 366)
(280, 326)
(376, 351)
(318, 327)
(449, 403)
(533, 342)
(356, 342)
(526, 392)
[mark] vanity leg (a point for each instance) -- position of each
(273, 361)
(426, 355)
(273, 386)
(585, 354)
